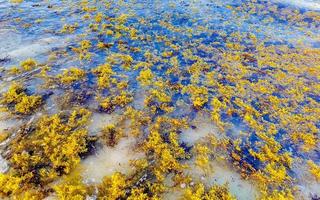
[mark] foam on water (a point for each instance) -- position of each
(6, 124)
(309, 4)
(203, 128)
(308, 187)
(222, 174)
(3, 165)
(109, 160)
(100, 120)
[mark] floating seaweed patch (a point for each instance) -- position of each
(18, 101)
(207, 96)
(49, 148)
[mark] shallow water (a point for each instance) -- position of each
(245, 72)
